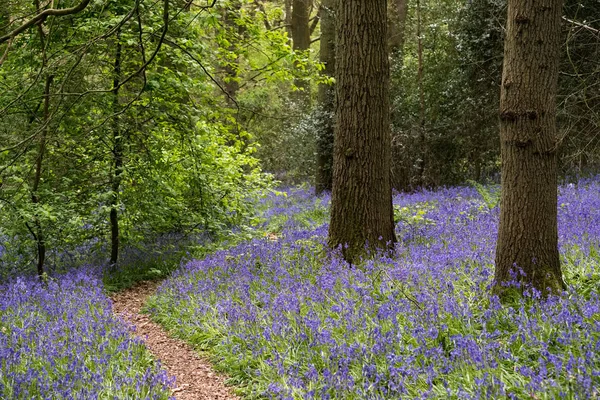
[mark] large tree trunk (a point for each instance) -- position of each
(326, 108)
(362, 214)
(117, 159)
(528, 235)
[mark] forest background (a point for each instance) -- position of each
(155, 125)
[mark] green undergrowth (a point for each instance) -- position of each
(133, 274)
(306, 212)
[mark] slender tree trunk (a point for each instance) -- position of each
(231, 13)
(5, 21)
(398, 13)
(301, 43)
(35, 199)
(528, 236)
(477, 165)
(301, 24)
(362, 214)
(422, 133)
(397, 25)
(38, 232)
(326, 108)
(117, 159)
(288, 18)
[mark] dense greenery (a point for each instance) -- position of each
(168, 126)
(124, 109)
(462, 70)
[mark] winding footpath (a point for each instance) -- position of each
(195, 377)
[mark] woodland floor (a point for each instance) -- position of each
(195, 377)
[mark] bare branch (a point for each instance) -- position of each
(584, 26)
(3, 58)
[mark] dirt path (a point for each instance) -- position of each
(196, 379)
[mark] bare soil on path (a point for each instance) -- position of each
(195, 377)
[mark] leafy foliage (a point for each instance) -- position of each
(188, 158)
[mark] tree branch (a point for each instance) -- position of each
(3, 58)
(584, 26)
(57, 12)
(315, 22)
(263, 11)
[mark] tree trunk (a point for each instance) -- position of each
(301, 43)
(398, 13)
(326, 108)
(362, 214)
(38, 232)
(288, 17)
(117, 159)
(35, 199)
(397, 25)
(528, 235)
(301, 24)
(422, 132)
(231, 67)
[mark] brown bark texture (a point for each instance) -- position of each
(326, 110)
(528, 234)
(362, 214)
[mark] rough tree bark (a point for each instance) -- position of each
(362, 214)
(326, 108)
(117, 158)
(528, 235)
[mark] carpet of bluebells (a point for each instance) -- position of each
(288, 319)
(59, 340)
